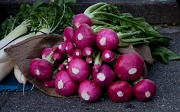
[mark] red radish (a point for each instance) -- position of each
(41, 69)
(88, 51)
(77, 53)
(64, 85)
(55, 48)
(50, 83)
(61, 67)
(57, 56)
(107, 39)
(45, 52)
(84, 36)
(104, 77)
(144, 90)
(62, 48)
(120, 91)
(89, 91)
(89, 60)
(68, 34)
(70, 58)
(78, 69)
(80, 19)
(70, 47)
(108, 56)
(129, 66)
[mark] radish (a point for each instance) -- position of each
(144, 90)
(49, 83)
(78, 53)
(57, 56)
(45, 52)
(62, 48)
(104, 77)
(64, 85)
(108, 56)
(69, 47)
(70, 58)
(129, 66)
(41, 69)
(120, 91)
(68, 34)
(89, 91)
(88, 51)
(89, 60)
(84, 36)
(80, 19)
(78, 69)
(55, 48)
(107, 39)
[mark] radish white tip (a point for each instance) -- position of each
(102, 41)
(66, 48)
(101, 76)
(80, 36)
(60, 84)
(77, 53)
(85, 96)
(60, 46)
(120, 94)
(75, 70)
(37, 72)
(88, 52)
(132, 71)
(147, 94)
(107, 55)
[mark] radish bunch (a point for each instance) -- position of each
(85, 62)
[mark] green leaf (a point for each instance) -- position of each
(163, 54)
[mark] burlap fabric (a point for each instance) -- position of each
(31, 48)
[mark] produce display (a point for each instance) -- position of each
(86, 63)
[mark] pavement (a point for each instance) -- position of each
(166, 77)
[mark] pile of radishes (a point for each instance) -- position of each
(86, 63)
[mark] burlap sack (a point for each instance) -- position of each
(25, 51)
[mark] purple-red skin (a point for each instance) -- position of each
(96, 68)
(50, 83)
(70, 58)
(78, 53)
(89, 60)
(45, 52)
(107, 39)
(84, 36)
(120, 91)
(43, 66)
(107, 78)
(70, 48)
(127, 62)
(57, 56)
(78, 69)
(145, 90)
(81, 19)
(68, 34)
(69, 88)
(62, 67)
(88, 51)
(55, 48)
(92, 89)
(109, 53)
(62, 48)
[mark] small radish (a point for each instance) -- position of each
(62, 48)
(88, 51)
(45, 52)
(89, 91)
(70, 58)
(84, 36)
(144, 90)
(129, 66)
(69, 48)
(107, 39)
(89, 60)
(55, 48)
(57, 56)
(80, 19)
(120, 91)
(68, 34)
(78, 69)
(104, 77)
(78, 53)
(108, 56)
(50, 83)
(64, 85)
(41, 69)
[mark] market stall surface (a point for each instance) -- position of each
(167, 99)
